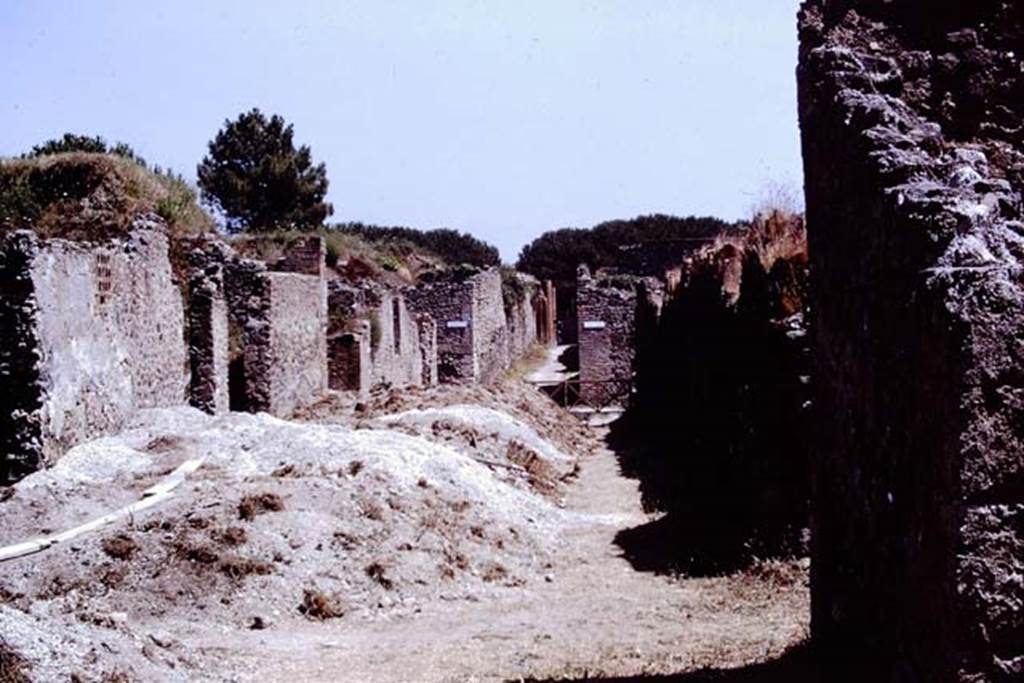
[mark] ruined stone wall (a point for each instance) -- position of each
(450, 304)
(911, 114)
(545, 314)
(296, 369)
(473, 342)
(490, 332)
(305, 255)
(281, 319)
(208, 340)
(521, 317)
(396, 357)
(606, 336)
(348, 339)
(101, 331)
(380, 341)
(427, 330)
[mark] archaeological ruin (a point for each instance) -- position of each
(912, 116)
(812, 459)
(104, 329)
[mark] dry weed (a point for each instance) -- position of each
(257, 504)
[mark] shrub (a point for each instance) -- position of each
(81, 195)
(450, 246)
(256, 504)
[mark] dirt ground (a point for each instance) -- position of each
(429, 537)
(591, 615)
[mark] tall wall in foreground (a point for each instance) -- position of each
(912, 116)
(91, 333)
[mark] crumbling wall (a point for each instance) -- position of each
(21, 438)
(96, 329)
(606, 313)
(208, 333)
(450, 304)
(296, 372)
(472, 329)
(396, 357)
(490, 333)
(426, 328)
(281, 318)
(716, 433)
(349, 363)
(545, 314)
(521, 315)
(378, 341)
(911, 114)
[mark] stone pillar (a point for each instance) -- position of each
(208, 340)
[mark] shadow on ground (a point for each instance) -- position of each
(795, 666)
(570, 358)
(720, 515)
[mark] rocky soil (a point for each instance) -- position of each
(460, 533)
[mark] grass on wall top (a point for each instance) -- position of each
(91, 196)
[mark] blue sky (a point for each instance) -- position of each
(503, 118)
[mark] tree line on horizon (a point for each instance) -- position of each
(255, 178)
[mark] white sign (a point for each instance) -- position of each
(457, 324)
(594, 324)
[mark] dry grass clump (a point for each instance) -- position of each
(13, 667)
(320, 606)
(776, 236)
(87, 196)
(258, 503)
(240, 567)
(120, 547)
(234, 536)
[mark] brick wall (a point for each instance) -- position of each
(606, 333)
(450, 303)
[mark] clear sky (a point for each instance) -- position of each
(503, 118)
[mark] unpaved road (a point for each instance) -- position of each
(592, 614)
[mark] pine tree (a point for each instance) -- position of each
(259, 181)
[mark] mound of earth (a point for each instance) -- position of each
(281, 522)
(495, 438)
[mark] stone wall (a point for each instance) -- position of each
(379, 341)
(477, 337)
(450, 302)
(490, 331)
(208, 339)
(91, 334)
(912, 115)
(427, 330)
(546, 314)
(282, 320)
(521, 316)
(606, 314)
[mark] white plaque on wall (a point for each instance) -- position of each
(594, 324)
(457, 324)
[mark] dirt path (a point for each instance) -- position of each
(553, 371)
(592, 613)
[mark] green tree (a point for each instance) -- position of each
(259, 181)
